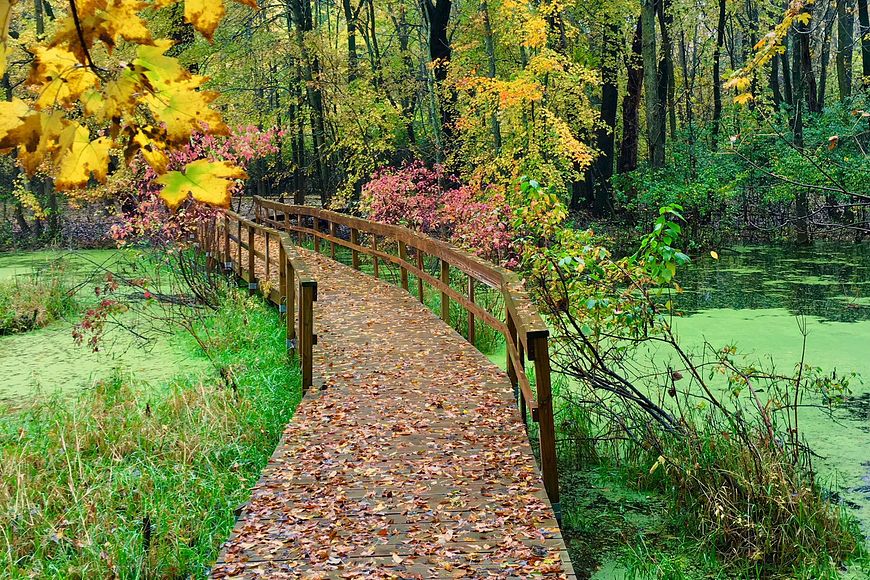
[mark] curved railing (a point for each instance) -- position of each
(254, 252)
(524, 330)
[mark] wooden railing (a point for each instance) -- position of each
(523, 328)
(234, 243)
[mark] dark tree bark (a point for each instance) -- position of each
(717, 77)
(489, 44)
(666, 84)
(825, 58)
(845, 38)
(604, 138)
(655, 114)
(774, 81)
(864, 35)
(627, 160)
(440, 52)
(351, 17)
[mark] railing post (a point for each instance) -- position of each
(287, 221)
(268, 255)
(316, 225)
(227, 258)
(239, 247)
(471, 330)
(445, 299)
(403, 271)
(375, 261)
(511, 338)
(290, 292)
(332, 241)
(306, 333)
(539, 352)
(420, 267)
(252, 276)
(282, 279)
(354, 254)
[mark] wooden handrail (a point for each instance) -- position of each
(296, 291)
(526, 334)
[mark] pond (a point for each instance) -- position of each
(48, 360)
(753, 297)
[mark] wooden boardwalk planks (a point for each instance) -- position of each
(411, 461)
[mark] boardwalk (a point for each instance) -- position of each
(408, 459)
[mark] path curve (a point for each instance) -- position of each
(410, 461)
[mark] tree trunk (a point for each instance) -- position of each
(845, 38)
(808, 76)
(440, 52)
(631, 103)
(489, 44)
(717, 77)
(666, 64)
(655, 118)
(604, 138)
(864, 35)
(787, 77)
(350, 17)
(825, 59)
(774, 81)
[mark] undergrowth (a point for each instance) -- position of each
(126, 480)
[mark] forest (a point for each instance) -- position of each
(679, 189)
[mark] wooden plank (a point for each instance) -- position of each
(403, 260)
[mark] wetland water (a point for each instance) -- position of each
(47, 360)
(752, 298)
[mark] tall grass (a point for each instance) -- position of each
(138, 482)
(36, 300)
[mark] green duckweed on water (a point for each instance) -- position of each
(47, 360)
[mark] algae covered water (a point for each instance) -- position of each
(753, 297)
(47, 360)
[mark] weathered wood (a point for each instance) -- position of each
(252, 280)
(375, 261)
(306, 332)
(524, 329)
(472, 337)
(332, 242)
(317, 236)
(403, 270)
(546, 424)
(420, 267)
(379, 464)
(445, 298)
(354, 239)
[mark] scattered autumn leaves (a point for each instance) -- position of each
(410, 462)
(148, 105)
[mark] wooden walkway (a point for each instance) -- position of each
(407, 458)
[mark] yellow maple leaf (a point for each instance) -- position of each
(203, 180)
(82, 159)
(5, 11)
(60, 76)
(12, 115)
(37, 138)
(151, 150)
(184, 109)
(204, 15)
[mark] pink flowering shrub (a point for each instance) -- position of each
(145, 216)
(433, 202)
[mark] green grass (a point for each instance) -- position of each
(34, 301)
(128, 481)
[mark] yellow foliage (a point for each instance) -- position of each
(124, 98)
(203, 180)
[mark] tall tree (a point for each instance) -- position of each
(627, 160)
(717, 75)
(845, 40)
(440, 52)
(655, 114)
(864, 35)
